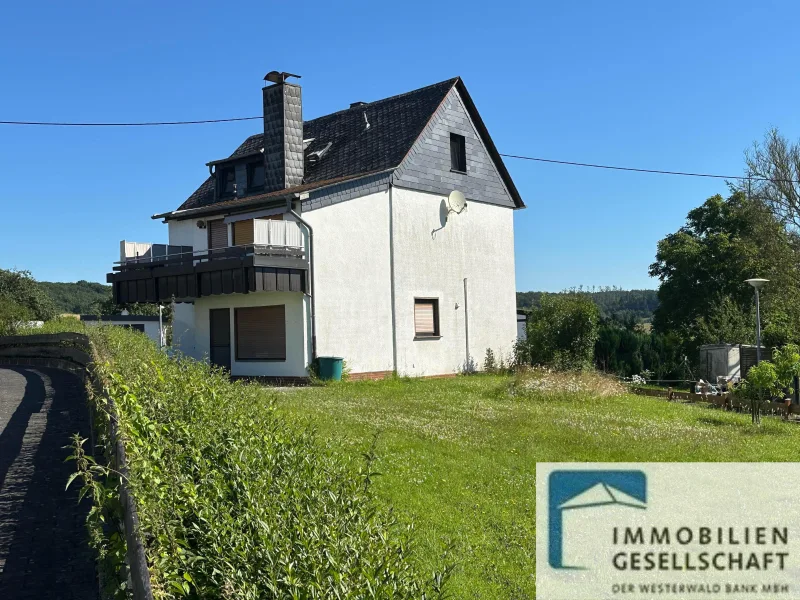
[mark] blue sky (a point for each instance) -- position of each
(672, 85)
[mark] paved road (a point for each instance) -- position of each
(43, 540)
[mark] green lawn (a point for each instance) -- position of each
(458, 457)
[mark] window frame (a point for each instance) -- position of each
(458, 159)
(221, 193)
(250, 168)
(237, 355)
(437, 331)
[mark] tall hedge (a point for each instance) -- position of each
(235, 502)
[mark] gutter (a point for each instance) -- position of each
(310, 277)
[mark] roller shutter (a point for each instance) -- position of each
(243, 233)
(217, 234)
(261, 333)
(426, 317)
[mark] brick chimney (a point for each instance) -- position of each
(283, 132)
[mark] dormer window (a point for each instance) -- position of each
(226, 181)
(255, 176)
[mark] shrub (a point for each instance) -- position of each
(12, 316)
(562, 332)
(236, 503)
(489, 363)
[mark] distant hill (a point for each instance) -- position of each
(622, 304)
(78, 297)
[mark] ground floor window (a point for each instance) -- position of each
(260, 333)
(426, 317)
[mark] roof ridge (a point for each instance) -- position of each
(452, 81)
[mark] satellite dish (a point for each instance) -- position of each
(456, 202)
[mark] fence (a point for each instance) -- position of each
(73, 352)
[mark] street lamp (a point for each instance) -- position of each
(757, 284)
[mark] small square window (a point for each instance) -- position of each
(426, 317)
(458, 153)
(226, 181)
(255, 176)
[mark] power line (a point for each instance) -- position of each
(517, 156)
(142, 124)
(656, 171)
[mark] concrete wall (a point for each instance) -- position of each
(297, 347)
(433, 253)
(352, 282)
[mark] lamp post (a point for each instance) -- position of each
(757, 285)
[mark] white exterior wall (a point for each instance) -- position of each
(183, 333)
(353, 282)
(297, 348)
(187, 233)
(150, 327)
(477, 244)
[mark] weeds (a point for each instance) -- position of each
(233, 501)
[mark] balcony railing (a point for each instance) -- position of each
(278, 239)
(195, 258)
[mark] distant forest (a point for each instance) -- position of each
(79, 297)
(622, 305)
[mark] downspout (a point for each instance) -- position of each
(391, 279)
(466, 327)
(310, 278)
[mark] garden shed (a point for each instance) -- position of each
(731, 361)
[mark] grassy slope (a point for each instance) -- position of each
(459, 457)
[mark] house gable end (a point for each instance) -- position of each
(427, 165)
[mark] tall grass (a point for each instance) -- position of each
(236, 503)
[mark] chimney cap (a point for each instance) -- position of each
(279, 76)
(357, 104)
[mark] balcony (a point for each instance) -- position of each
(276, 261)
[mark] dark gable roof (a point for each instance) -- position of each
(395, 124)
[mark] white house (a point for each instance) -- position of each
(341, 236)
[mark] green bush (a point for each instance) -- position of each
(12, 316)
(236, 503)
(562, 332)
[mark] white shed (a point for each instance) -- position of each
(146, 324)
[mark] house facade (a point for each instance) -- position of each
(347, 235)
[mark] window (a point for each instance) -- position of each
(426, 317)
(255, 176)
(458, 153)
(243, 233)
(217, 234)
(261, 333)
(226, 181)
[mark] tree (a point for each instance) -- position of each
(702, 267)
(21, 289)
(562, 332)
(774, 172)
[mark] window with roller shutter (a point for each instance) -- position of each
(261, 333)
(426, 317)
(243, 233)
(217, 234)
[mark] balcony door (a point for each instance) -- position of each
(220, 330)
